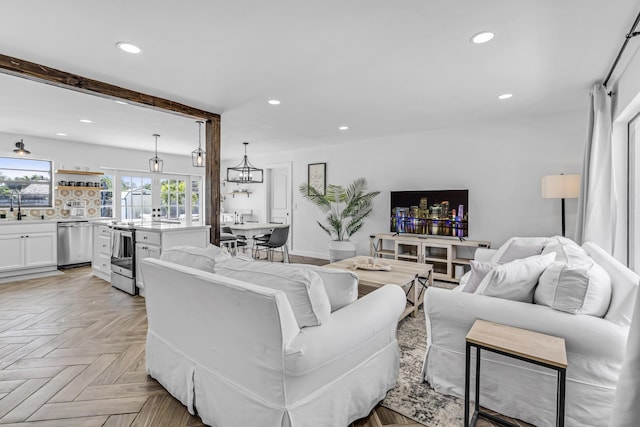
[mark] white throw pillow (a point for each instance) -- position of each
(195, 257)
(341, 286)
(303, 287)
(577, 288)
(515, 280)
(478, 272)
(519, 242)
(519, 250)
(574, 283)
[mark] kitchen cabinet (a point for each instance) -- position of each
(151, 243)
(28, 248)
(101, 262)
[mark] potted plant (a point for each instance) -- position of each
(346, 210)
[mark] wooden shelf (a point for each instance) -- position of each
(77, 172)
(443, 253)
(233, 193)
(66, 187)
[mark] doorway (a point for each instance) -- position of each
(278, 197)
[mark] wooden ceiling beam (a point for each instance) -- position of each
(43, 74)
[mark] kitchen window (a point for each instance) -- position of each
(106, 196)
(25, 181)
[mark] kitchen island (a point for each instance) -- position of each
(150, 239)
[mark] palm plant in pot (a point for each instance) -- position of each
(345, 209)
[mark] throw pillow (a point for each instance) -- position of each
(515, 280)
(578, 287)
(341, 286)
(303, 287)
(478, 272)
(519, 241)
(518, 250)
(195, 257)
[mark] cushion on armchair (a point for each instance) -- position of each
(518, 248)
(515, 280)
(303, 287)
(574, 283)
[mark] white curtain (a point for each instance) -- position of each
(626, 408)
(597, 203)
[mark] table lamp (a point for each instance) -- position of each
(561, 187)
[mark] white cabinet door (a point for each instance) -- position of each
(12, 250)
(144, 251)
(41, 249)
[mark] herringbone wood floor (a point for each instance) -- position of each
(72, 354)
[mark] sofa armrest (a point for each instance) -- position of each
(371, 320)
(484, 254)
(450, 315)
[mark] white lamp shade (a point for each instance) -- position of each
(560, 186)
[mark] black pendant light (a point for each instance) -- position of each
(198, 156)
(245, 172)
(20, 150)
(156, 163)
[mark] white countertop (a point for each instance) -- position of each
(151, 226)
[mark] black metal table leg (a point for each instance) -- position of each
(467, 374)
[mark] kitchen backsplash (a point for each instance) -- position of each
(67, 204)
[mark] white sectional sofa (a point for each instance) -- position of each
(595, 343)
(246, 354)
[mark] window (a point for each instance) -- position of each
(173, 198)
(634, 194)
(135, 197)
(195, 199)
(106, 196)
(25, 181)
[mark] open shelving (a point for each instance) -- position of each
(443, 253)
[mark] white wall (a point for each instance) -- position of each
(70, 154)
(501, 164)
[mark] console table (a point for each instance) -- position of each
(533, 347)
(444, 254)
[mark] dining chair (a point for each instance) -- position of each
(277, 239)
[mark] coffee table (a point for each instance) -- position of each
(410, 276)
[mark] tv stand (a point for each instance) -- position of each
(444, 253)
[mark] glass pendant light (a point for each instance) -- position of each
(198, 156)
(156, 163)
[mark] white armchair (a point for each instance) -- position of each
(233, 351)
(595, 350)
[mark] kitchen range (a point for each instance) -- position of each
(117, 247)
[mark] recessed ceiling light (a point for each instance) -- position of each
(343, 128)
(121, 103)
(86, 121)
(61, 134)
(505, 96)
(128, 47)
(274, 102)
(482, 37)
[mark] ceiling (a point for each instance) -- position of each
(380, 67)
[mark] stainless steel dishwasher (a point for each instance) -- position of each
(75, 243)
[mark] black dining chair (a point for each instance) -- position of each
(226, 234)
(277, 239)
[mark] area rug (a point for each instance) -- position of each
(411, 397)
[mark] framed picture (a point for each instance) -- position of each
(318, 177)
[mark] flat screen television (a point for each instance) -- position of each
(437, 213)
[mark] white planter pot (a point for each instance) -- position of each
(339, 250)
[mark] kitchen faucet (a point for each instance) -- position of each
(17, 193)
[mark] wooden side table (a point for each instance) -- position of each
(539, 349)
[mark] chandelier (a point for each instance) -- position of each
(245, 172)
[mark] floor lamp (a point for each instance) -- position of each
(561, 187)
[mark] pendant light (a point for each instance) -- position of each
(20, 150)
(156, 163)
(198, 156)
(245, 172)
